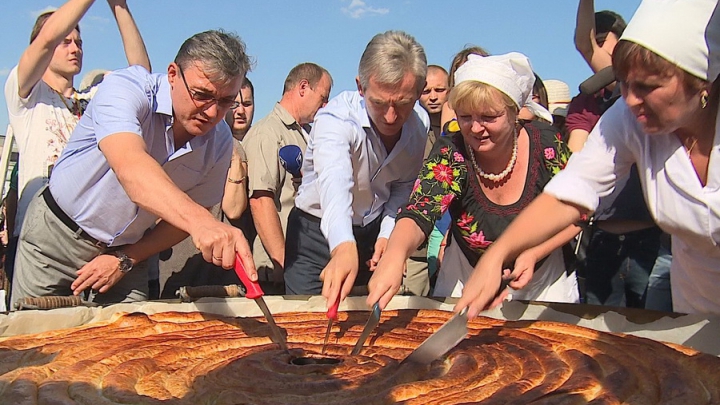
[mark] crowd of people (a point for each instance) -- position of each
(423, 181)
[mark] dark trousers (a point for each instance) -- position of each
(307, 253)
(618, 266)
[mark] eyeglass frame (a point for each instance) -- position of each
(204, 98)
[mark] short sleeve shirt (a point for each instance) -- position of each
(42, 124)
(132, 100)
(262, 145)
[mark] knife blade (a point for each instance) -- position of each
(331, 315)
(447, 337)
(440, 342)
(369, 327)
(256, 293)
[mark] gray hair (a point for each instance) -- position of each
(389, 56)
(221, 53)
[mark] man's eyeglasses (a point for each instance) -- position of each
(206, 99)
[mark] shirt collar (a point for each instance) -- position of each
(364, 118)
(284, 115)
(163, 97)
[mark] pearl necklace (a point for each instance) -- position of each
(500, 176)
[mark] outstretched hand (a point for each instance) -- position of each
(340, 273)
(386, 280)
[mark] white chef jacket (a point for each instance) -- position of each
(678, 202)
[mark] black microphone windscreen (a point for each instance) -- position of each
(597, 81)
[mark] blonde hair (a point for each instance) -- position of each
(476, 96)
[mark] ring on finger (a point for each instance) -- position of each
(217, 258)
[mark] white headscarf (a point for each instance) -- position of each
(684, 32)
(511, 73)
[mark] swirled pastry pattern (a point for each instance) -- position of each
(196, 358)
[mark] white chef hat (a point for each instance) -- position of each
(684, 32)
(511, 73)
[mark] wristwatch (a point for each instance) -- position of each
(125, 263)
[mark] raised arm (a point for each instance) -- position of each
(133, 43)
(595, 56)
(36, 58)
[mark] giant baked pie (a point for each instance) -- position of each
(196, 358)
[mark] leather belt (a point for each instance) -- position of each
(65, 219)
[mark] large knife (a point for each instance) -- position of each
(369, 326)
(255, 292)
(445, 338)
(440, 342)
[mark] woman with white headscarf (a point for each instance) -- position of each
(667, 64)
(484, 172)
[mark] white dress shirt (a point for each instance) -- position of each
(678, 202)
(349, 178)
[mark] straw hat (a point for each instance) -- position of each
(558, 96)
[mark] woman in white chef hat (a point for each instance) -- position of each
(667, 63)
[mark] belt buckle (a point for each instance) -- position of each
(97, 243)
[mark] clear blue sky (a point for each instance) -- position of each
(333, 33)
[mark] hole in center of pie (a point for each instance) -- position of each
(308, 361)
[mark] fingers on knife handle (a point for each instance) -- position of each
(253, 288)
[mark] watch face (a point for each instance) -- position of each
(125, 264)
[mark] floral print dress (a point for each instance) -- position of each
(447, 181)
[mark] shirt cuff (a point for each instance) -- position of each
(386, 227)
(337, 236)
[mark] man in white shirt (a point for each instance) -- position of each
(43, 106)
(362, 159)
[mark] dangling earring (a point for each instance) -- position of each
(703, 99)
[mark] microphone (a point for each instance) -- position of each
(291, 159)
(597, 81)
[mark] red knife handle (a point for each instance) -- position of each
(253, 288)
(332, 311)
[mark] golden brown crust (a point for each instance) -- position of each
(195, 358)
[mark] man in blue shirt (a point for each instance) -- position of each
(363, 156)
(147, 158)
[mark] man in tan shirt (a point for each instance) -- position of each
(272, 188)
(433, 97)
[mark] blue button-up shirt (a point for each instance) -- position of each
(136, 101)
(348, 176)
